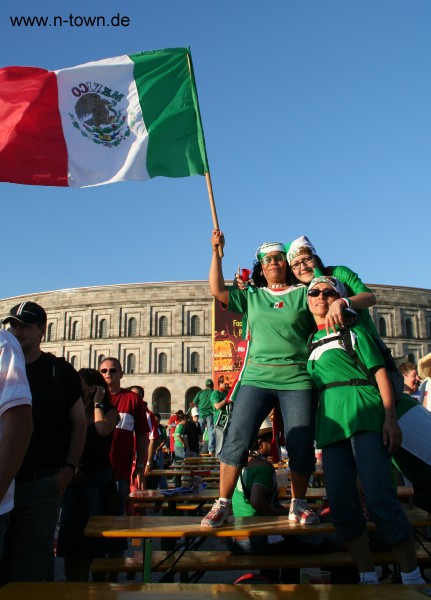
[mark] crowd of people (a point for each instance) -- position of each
(313, 362)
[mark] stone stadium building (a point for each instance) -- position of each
(161, 332)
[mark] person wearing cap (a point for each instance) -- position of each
(55, 448)
(275, 373)
(193, 433)
(302, 259)
(206, 413)
(16, 423)
(357, 429)
(222, 408)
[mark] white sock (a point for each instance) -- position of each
(412, 578)
(225, 500)
(368, 577)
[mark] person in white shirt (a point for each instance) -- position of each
(16, 423)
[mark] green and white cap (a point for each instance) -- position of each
(296, 247)
(332, 281)
(269, 247)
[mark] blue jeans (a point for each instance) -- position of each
(252, 405)
(208, 422)
(29, 544)
(365, 456)
(123, 487)
(4, 524)
(163, 482)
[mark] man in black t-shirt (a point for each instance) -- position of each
(53, 454)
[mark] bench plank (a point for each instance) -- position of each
(224, 560)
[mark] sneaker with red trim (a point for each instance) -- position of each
(300, 513)
(219, 514)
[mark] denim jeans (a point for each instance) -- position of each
(365, 456)
(252, 405)
(29, 543)
(4, 524)
(123, 487)
(163, 482)
(208, 422)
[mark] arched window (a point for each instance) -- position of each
(382, 327)
(74, 361)
(194, 362)
(100, 360)
(195, 325)
(411, 358)
(409, 328)
(162, 366)
(131, 364)
(161, 402)
(75, 333)
(50, 333)
(163, 326)
(103, 329)
(132, 327)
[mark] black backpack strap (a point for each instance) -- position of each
(360, 382)
(346, 341)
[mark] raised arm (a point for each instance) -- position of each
(217, 285)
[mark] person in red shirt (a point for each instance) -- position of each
(172, 423)
(133, 426)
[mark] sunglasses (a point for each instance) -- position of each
(267, 259)
(328, 293)
(110, 371)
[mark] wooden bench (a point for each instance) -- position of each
(224, 560)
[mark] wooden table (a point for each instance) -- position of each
(183, 472)
(151, 527)
(206, 495)
(202, 591)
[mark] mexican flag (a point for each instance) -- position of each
(131, 117)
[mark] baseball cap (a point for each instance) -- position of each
(27, 313)
(209, 382)
(195, 411)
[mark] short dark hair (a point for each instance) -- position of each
(137, 387)
(406, 367)
(113, 359)
(93, 377)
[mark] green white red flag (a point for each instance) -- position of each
(131, 117)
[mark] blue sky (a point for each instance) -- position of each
(317, 121)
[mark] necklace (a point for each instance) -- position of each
(276, 286)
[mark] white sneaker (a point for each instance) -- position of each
(300, 513)
(219, 514)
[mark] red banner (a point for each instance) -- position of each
(228, 346)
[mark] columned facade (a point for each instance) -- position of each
(161, 332)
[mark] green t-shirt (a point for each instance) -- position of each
(203, 402)
(354, 286)
(347, 409)
(262, 475)
(179, 430)
(279, 324)
(216, 397)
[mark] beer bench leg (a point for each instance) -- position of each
(148, 554)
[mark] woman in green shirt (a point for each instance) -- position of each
(275, 373)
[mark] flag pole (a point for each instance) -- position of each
(202, 145)
(213, 207)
